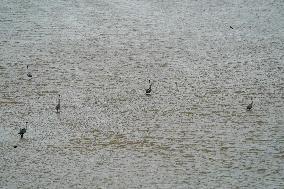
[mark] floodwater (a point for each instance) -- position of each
(193, 131)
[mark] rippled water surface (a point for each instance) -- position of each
(193, 131)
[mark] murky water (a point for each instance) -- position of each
(192, 132)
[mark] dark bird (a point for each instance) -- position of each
(29, 73)
(15, 146)
(249, 107)
(23, 130)
(58, 105)
(231, 27)
(148, 91)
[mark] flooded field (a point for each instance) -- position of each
(206, 60)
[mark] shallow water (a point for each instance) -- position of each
(192, 132)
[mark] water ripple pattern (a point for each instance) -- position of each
(206, 60)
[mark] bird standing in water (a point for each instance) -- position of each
(29, 73)
(58, 105)
(249, 107)
(148, 91)
(23, 130)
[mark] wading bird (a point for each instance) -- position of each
(23, 130)
(29, 73)
(58, 105)
(148, 91)
(249, 107)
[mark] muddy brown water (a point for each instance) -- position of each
(192, 132)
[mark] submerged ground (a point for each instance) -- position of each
(192, 132)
